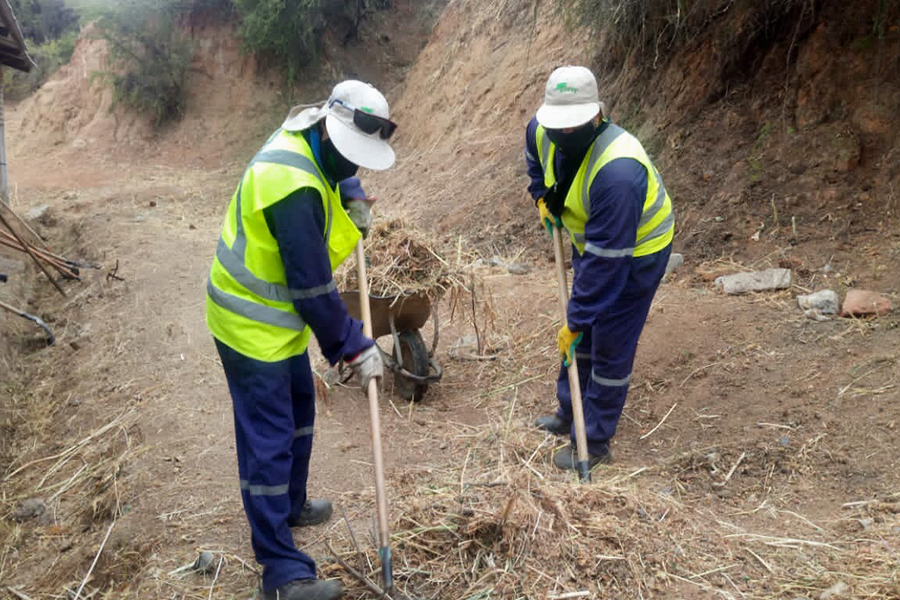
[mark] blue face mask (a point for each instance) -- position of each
(574, 142)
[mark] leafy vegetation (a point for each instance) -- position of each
(150, 57)
(289, 31)
(48, 57)
(50, 29)
(44, 20)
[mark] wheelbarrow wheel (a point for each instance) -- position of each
(415, 361)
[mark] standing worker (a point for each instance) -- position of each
(270, 287)
(595, 179)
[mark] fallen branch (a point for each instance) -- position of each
(646, 435)
(94, 564)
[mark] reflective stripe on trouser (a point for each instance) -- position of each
(274, 411)
(605, 356)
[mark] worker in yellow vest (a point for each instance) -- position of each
(295, 216)
(594, 179)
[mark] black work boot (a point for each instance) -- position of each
(313, 513)
(565, 458)
(307, 589)
(554, 425)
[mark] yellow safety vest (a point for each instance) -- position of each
(249, 306)
(657, 225)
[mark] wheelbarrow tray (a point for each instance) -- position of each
(410, 311)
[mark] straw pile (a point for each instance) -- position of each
(401, 260)
(505, 524)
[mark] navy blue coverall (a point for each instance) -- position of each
(274, 402)
(611, 297)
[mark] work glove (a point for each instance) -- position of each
(568, 341)
(366, 365)
(548, 219)
(360, 212)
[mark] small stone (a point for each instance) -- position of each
(866, 523)
(37, 212)
(757, 281)
(838, 590)
(864, 303)
(824, 301)
(676, 261)
(41, 214)
(518, 269)
(785, 440)
(495, 261)
(152, 203)
(465, 348)
(29, 509)
(205, 563)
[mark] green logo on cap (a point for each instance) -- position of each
(564, 88)
(367, 109)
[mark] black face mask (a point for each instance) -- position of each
(574, 142)
(336, 166)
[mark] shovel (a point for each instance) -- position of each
(50, 337)
(582, 465)
(384, 552)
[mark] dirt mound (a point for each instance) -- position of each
(795, 116)
(462, 117)
(227, 100)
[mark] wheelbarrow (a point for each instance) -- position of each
(402, 316)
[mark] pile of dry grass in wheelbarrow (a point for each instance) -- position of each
(404, 260)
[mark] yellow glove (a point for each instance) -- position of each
(568, 341)
(548, 219)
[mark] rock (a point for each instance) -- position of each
(205, 563)
(824, 301)
(815, 315)
(758, 281)
(495, 261)
(465, 348)
(838, 590)
(29, 509)
(518, 268)
(676, 261)
(42, 214)
(864, 303)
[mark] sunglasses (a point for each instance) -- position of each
(369, 123)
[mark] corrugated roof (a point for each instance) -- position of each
(13, 52)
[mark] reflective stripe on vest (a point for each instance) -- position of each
(249, 304)
(232, 259)
(647, 231)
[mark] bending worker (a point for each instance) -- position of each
(595, 179)
(269, 289)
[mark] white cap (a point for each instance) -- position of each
(570, 98)
(367, 150)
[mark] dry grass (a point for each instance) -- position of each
(401, 260)
(502, 524)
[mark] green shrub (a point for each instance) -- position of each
(288, 32)
(150, 57)
(48, 57)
